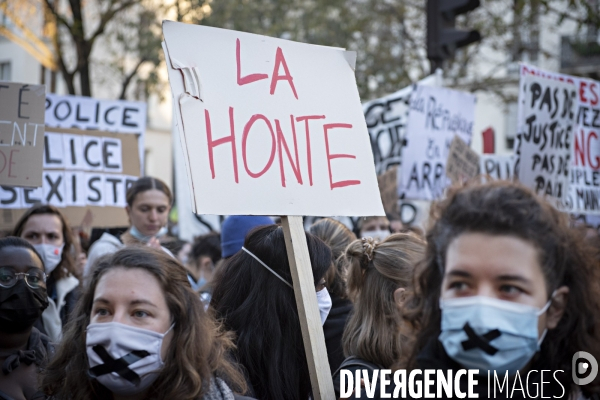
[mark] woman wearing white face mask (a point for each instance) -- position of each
(47, 229)
(509, 289)
(141, 333)
(379, 276)
(253, 297)
(148, 205)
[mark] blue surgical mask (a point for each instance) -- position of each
(489, 334)
(143, 238)
(324, 302)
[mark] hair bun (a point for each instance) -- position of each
(368, 247)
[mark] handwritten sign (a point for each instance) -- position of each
(270, 126)
(21, 134)
(500, 167)
(546, 125)
(102, 115)
(584, 181)
(463, 163)
(436, 116)
(388, 185)
(84, 171)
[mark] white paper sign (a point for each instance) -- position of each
(584, 183)
(270, 126)
(495, 166)
(546, 124)
(436, 115)
(93, 114)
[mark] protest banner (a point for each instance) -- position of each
(500, 167)
(21, 134)
(386, 120)
(463, 163)
(436, 116)
(584, 183)
(289, 139)
(545, 125)
(88, 113)
(86, 174)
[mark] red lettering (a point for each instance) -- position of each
(307, 118)
(214, 143)
(281, 141)
(248, 78)
(10, 163)
(592, 133)
(582, 86)
(579, 149)
(330, 157)
(245, 139)
(594, 92)
(280, 60)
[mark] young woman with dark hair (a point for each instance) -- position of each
(139, 308)
(149, 201)
(254, 298)
(337, 236)
(506, 287)
(48, 230)
(24, 351)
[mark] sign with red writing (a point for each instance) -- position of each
(584, 173)
(269, 126)
(21, 134)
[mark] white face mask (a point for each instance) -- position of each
(135, 232)
(51, 255)
(378, 235)
(138, 351)
(324, 302)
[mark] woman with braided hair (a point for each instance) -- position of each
(379, 277)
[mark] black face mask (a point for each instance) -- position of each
(21, 306)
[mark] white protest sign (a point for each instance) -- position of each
(500, 167)
(270, 126)
(584, 183)
(436, 116)
(386, 120)
(546, 124)
(94, 114)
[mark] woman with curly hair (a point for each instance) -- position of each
(140, 332)
(507, 288)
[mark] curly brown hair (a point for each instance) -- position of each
(67, 262)
(198, 350)
(504, 208)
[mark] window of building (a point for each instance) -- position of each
(5, 71)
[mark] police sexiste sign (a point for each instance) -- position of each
(269, 126)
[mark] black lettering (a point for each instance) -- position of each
(78, 116)
(9, 189)
(91, 187)
(49, 159)
(106, 154)
(106, 115)
(28, 199)
(74, 188)
(86, 153)
(53, 188)
(65, 102)
(114, 182)
(536, 91)
(126, 117)
(24, 88)
(73, 155)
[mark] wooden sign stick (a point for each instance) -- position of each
(308, 311)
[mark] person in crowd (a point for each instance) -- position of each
(142, 333)
(179, 248)
(149, 201)
(23, 298)
(376, 227)
(204, 256)
(234, 230)
(337, 236)
(48, 230)
(253, 296)
(380, 278)
(507, 288)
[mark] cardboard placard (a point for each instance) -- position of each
(436, 115)
(388, 186)
(21, 134)
(546, 125)
(584, 182)
(293, 131)
(86, 175)
(88, 113)
(463, 163)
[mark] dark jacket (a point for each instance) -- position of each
(334, 330)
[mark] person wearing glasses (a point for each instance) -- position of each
(23, 349)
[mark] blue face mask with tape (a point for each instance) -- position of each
(490, 334)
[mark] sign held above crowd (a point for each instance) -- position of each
(21, 134)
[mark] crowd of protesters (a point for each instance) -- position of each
(498, 281)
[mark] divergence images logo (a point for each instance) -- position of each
(581, 363)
